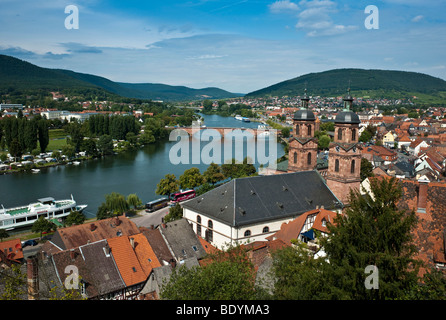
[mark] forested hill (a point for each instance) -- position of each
(18, 75)
(372, 83)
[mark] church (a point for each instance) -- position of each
(254, 208)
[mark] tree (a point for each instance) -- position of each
(15, 149)
(373, 232)
(237, 170)
(74, 218)
(13, 282)
(69, 151)
(191, 178)
(42, 225)
(366, 169)
(168, 185)
(213, 174)
(175, 213)
(3, 234)
(43, 134)
(116, 203)
(105, 144)
(228, 275)
(286, 132)
(133, 200)
(207, 105)
(323, 142)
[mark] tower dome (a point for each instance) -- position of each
(303, 114)
(346, 115)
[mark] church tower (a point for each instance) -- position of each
(302, 154)
(344, 160)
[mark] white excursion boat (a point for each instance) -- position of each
(238, 117)
(48, 207)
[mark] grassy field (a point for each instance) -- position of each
(58, 139)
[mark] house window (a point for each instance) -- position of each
(295, 157)
(247, 233)
(353, 134)
(209, 236)
(339, 134)
(309, 158)
(337, 165)
(309, 130)
(352, 169)
(265, 230)
(199, 226)
(297, 129)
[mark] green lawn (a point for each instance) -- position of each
(58, 139)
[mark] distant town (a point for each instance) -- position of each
(265, 214)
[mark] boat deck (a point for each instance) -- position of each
(24, 210)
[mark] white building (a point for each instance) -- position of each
(251, 209)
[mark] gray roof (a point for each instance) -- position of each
(182, 240)
(304, 114)
(252, 200)
(347, 117)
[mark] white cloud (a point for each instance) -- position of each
(283, 6)
(417, 18)
(317, 19)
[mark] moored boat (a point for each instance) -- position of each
(46, 207)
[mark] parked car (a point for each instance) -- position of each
(31, 243)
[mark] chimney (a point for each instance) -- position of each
(92, 227)
(33, 278)
(117, 221)
(132, 242)
(72, 254)
(152, 226)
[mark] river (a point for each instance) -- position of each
(129, 172)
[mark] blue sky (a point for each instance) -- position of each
(240, 45)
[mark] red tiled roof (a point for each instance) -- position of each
(127, 261)
(12, 250)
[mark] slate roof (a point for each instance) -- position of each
(95, 267)
(182, 240)
(252, 200)
(75, 236)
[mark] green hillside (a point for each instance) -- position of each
(21, 76)
(373, 83)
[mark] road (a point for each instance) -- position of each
(147, 219)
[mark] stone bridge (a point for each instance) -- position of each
(223, 131)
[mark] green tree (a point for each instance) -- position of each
(3, 234)
(238, 170)
(13, 282)
(191, 178)
(69, 151)
(175, 213)
(207, 105)
(74, 218)
(43, 134)
(373, 232)
(168, 185)
(116, 203)
(228, 275)
(15, 149)
(133, 200)
(105, 144)
(213, 174)
(286, 132)
(366, 169)
(42, 225)
(324, 142)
